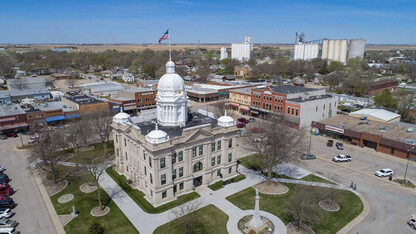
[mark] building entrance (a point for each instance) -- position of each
(197, 181)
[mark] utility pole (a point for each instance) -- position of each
(310, 138)
(407, 165)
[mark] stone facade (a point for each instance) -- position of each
(201, 155)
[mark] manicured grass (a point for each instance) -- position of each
(252, 161)
(315, 178)
(330, 222)
(138, 196)
(87, 156)
(208, 219)
(114, 222)
(220, 184)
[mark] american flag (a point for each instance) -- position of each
(165, 36)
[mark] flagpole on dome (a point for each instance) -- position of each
(170, 53)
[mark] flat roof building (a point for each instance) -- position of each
(102, 88)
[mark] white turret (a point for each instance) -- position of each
(171, 98)
(157, 136)
(121, 117)
(226, 121)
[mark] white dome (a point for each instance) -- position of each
(226, 121)
(121, 118)
(171, 82)
(157, 136)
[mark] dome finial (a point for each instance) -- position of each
(170, 67)
(225, 114)
(156, 127)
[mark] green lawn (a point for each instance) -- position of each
(315, 178)
(208, 219)
(113, 222)
(87, 156)
(331, 222)
(138, 196)
(252, 161)
(220, 184)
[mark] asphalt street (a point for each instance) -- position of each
(390, 206)
(31, 212)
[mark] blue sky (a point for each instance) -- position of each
(267, 21)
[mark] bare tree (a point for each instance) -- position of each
(301, 207)
(96, 168)
(220, 107)
(405, 103)
(46, 151)
(183, 214)
(78, 134)
(101, 125)
(71, 81)
(274, 142)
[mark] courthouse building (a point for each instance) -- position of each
(178, 151)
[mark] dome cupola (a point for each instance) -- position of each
(226, 121)
(121, 117)
(157, 136)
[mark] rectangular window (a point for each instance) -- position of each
(151, 178)
(174, 174)
(144, 155)
(180, 186)
(230, 157)
(125, 153)
(145, 172)
(150, 162)
(218, 145)
(164, 195)
(125, 142)
(297, 111)
(173, 158)
(213, 147)
(193, 151)
(180, 171)
(162, 162)
(219, 172)
(201, 150)
(218, 159)
(229, 170)
(288, 110)
(230, 143)
(127, 167)
(116, 138)
(180, 158)
(163, 179)
(213, 161)
(293, 110)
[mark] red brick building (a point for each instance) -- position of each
(378, 86)
(12, 119)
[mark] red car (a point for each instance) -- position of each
(4, 197)
(242, 120)
(241, 125)
(12, 134)
(5, 189)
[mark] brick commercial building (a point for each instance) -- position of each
(240, 100)
(86, 104)
(12, 119)
(378, 86)
(389, 138)
(300, 105)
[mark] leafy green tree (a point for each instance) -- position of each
(334, 66)
(385, 99)
(96, 228)
(149, 70)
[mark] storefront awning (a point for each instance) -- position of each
(72, 116)
(130, 107)
(254, 112)
(233, 105)
(55, 118)
(244, 110)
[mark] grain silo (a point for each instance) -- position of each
(343, 51)
(325, 48)
(356, 48)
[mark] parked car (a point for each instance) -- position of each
(2, 169)
(339, 145)
(346, 110)
(241, 125)
(4, 197)
(6, 189)
(342, 158)
(251, 120)
(359, 106)
(101, 78)
(241, 132)
(7, 203)
(308, 156)
(4, 179)
(9, 230)
(31, 141)
(384, 172)
(7, 223)
(412, 222)
(12, 135)
(6, 213)
(3, 137)
(330, 143)
(242, 120)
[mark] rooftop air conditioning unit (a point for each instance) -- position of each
(411, 129)
(363, 117)
(410, 141)
(382, 128)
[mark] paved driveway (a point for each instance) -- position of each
(390, 206)
(31, 211)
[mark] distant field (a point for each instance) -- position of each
(139, 47)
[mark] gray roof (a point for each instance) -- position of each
(28, 92)
(48, 106)
(149, 81)
(11, 110)
(33, 80)
(310, 98)
(138, 90)
(194, 119)
(103, 87)
(290, 89)
(5, 94)
(83, 99)
(244, 90)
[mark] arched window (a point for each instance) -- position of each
(197, 166)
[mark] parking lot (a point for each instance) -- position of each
(31, 213)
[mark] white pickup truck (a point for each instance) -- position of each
(412, 222)
(342, 158)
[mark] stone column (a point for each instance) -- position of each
(256, 221)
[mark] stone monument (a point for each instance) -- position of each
(256, 223)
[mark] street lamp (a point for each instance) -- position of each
(310, 138)
(407, 165)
